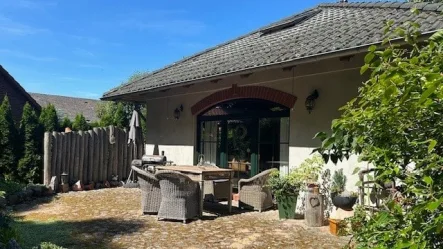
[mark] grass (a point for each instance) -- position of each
(34, 232)
(84, 234)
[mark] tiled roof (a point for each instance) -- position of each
(69, 106)
(327, 28)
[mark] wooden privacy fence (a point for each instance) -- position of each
(95, 155)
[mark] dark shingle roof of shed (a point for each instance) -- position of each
(327, 28)
(69, 106)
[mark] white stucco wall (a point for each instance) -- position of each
(336, 81)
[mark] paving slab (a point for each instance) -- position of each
(111, 218)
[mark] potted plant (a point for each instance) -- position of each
(309, 170)
(341, 198)
(285, 190)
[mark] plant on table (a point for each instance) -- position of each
(396, 125)
(285, 189)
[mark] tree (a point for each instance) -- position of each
(8, 141)
(80, 123)
(120, 118)
(65, 123)
(49, 119)
(30, 165)
(396, 125)
(110, 113)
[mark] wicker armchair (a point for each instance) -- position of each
(253, 192)
(216, 189)
(150, 187)
(180, 196)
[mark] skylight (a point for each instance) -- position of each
(288, 23)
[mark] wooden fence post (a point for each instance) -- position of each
(69, 154)
(54, 153)
(105, 154)
(91, 153)
(81, 153)
(96, 155)
(47, 159)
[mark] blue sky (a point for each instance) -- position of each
(83, 48)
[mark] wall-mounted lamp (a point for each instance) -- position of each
(177, 111)
(310, 101)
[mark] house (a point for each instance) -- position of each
(16, 94)
(260, 99)
(69, 106)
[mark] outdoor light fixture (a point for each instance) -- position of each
(310, 101)
(64, 178)
(177, 112)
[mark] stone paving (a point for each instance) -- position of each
(111, 218)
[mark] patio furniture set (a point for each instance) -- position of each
(178, 192)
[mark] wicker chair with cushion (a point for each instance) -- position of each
(216, 189)
(180, 196)
(253, 192)
(150, 187)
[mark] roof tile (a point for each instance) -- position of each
(330, 27)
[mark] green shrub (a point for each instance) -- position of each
(30, 165)
(10, 187)
(65, 123)
(49, 119)
(8, 141)
(7, 230)
(80, 123)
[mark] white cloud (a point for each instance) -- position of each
(26, 56)
(83, 53)
(8, 26)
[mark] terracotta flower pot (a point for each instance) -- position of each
(334, 226)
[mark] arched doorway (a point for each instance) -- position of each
(248, 135)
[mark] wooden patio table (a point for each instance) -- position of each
(201, 174)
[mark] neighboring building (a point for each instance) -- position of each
(16, 94)
(246, 99)
(69, 106)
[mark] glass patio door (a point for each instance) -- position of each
(210, 143)
(242, 147)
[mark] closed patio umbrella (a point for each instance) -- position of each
(134, 136)
(133, 128)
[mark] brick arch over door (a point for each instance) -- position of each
(245, 92)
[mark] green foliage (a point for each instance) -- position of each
(137, 75)
(8, 141)
(49, 119)
(7, 230)
(309, 170)
(283, 186)
(10, 187)
(395, 123)
(30, 165)
(119, 114)
(47, 245)
(65, 123)
(120, 119)
(338, 181)
(80, 123)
